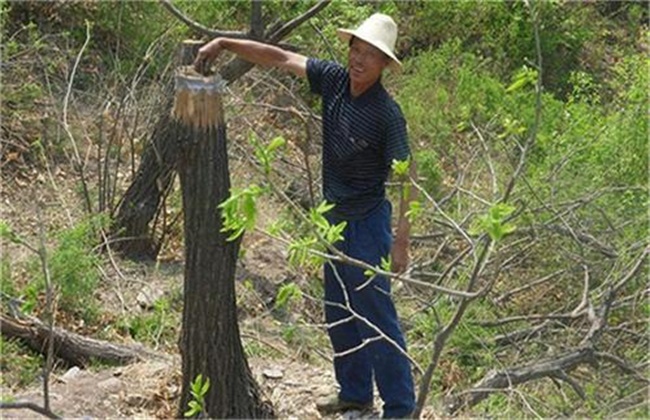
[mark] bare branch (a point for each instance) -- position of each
(78, 163)
(561, 375)
(496, 380)
(623, 365)
(198, 27)
(257, 25)
(49, 309)
(488, 159)
(286, 29)
(21, 405)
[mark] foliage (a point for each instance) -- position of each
(199, 389)
(287, 294)
(321, 235)
(19, 365)
(494, 223)
(157, 327)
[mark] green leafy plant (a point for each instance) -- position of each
(494, 224)
(239, 211)
(199, 389)
(299, 250)
(287, 294)
(385, 265)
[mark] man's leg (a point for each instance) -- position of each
(391, 368)
(353, 371)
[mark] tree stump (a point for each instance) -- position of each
(210, 343)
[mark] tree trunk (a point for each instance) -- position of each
(210, 343)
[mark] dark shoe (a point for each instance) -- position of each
(333, 405)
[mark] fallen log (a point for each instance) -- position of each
(74, 348)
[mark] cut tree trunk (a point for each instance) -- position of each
(131, 230)
(210, 343)
(73, 348)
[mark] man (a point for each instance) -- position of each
(363, 133)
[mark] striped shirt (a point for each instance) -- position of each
(361, 137)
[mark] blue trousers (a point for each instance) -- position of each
(368, 240)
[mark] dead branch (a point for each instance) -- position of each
(519, 335)
(286, 29)
(507, 295)
(20, 405)
(497, 380)
(257, 24)
(198, 27)
(73, 348)
(622, 365)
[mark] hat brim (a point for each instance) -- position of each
(346, 34)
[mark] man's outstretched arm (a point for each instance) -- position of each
(255, 52)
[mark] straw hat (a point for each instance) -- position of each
(380, 31)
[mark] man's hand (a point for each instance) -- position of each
(207, 54)
(400, 256)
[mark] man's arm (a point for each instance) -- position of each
(400, 251)
(255, 52)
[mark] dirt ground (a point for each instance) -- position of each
(150, 390)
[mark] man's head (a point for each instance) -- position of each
(366, 62)
(380, 32)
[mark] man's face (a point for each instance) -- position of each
(365, 62)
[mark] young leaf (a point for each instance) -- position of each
(400, 167)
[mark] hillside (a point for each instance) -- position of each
(526, 294)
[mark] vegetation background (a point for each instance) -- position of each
(82, 87)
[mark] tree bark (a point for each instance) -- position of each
(210, 343)
(73, 348)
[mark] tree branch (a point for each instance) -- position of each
(286, 29)
(257, 24)
(497, 380)
(200, 28)
(29, 406)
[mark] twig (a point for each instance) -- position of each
(19, 405)
(507, 295)
(66, 127)
(488, 159)
(442, 336)
(622, 364)
(286, 29)
(198, 27)
(49, 308)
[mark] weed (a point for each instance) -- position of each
(19, 365)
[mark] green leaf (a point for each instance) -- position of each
(386, 263)
(415, 210)
(400, 167)
(194, 409)
(287, 293)
(205, 388)
(275, 144)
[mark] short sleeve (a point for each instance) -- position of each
(321, 74)
(397, 146)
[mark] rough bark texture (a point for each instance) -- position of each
(210, 343)
(73, 348)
